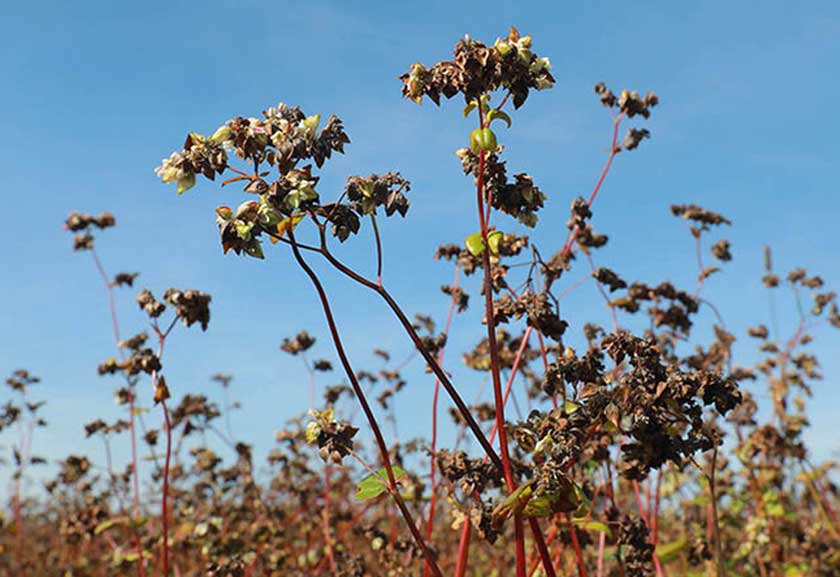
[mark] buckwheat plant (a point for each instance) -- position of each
(610, 437)
(135, 360)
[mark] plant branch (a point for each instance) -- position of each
(360, 394)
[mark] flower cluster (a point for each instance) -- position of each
(477, 69)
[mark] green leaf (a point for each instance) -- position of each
(548, 504)
(267, 215)
(794, 571)
(493, 240)
(542, 506)
(186, 183)
(544, 445)
(134, 523)
(737, 506)
(772, 505)
(775, 510)
(112, 522)
(375, 484)
(503, 48)
(369, 205)
(367, 189)
(584, 505)
(514, 503)
(293, 199)
(670, 551)
(497, 114)
(134, 556)
(370, 488)
(475, 244)
(470, 107)
(255, 250)
(581, 523)
(222, 134)
(311, 122)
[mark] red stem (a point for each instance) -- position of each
(164, 512)
(360, 395)
(432, 471)
(613, 151)
(164, 505)
(645, 517)
(536, 563)
(326, 516)
(576, 545)
(494, 368)
(115, 328)
(642, 510)
(656, 508)
(497, 385)
(463, 550)
(516, 362)
(418, 343)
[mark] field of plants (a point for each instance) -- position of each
(646, 449)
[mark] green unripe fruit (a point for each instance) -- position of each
(222, 134)
(483, 139)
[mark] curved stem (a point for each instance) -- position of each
(360, 395)
(378, 250)
(613, 151)
(421, 348)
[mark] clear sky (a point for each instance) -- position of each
(95, 93)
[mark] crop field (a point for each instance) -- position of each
(571, 401)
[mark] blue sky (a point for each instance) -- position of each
(96, 93)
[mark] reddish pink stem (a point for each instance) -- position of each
(433, 472)
(115, 329)
(576, 546)
(613, 151)
(463, 550)
(164, 509)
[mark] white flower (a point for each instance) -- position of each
(168, 170)
(539, 65)
(543, 83)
